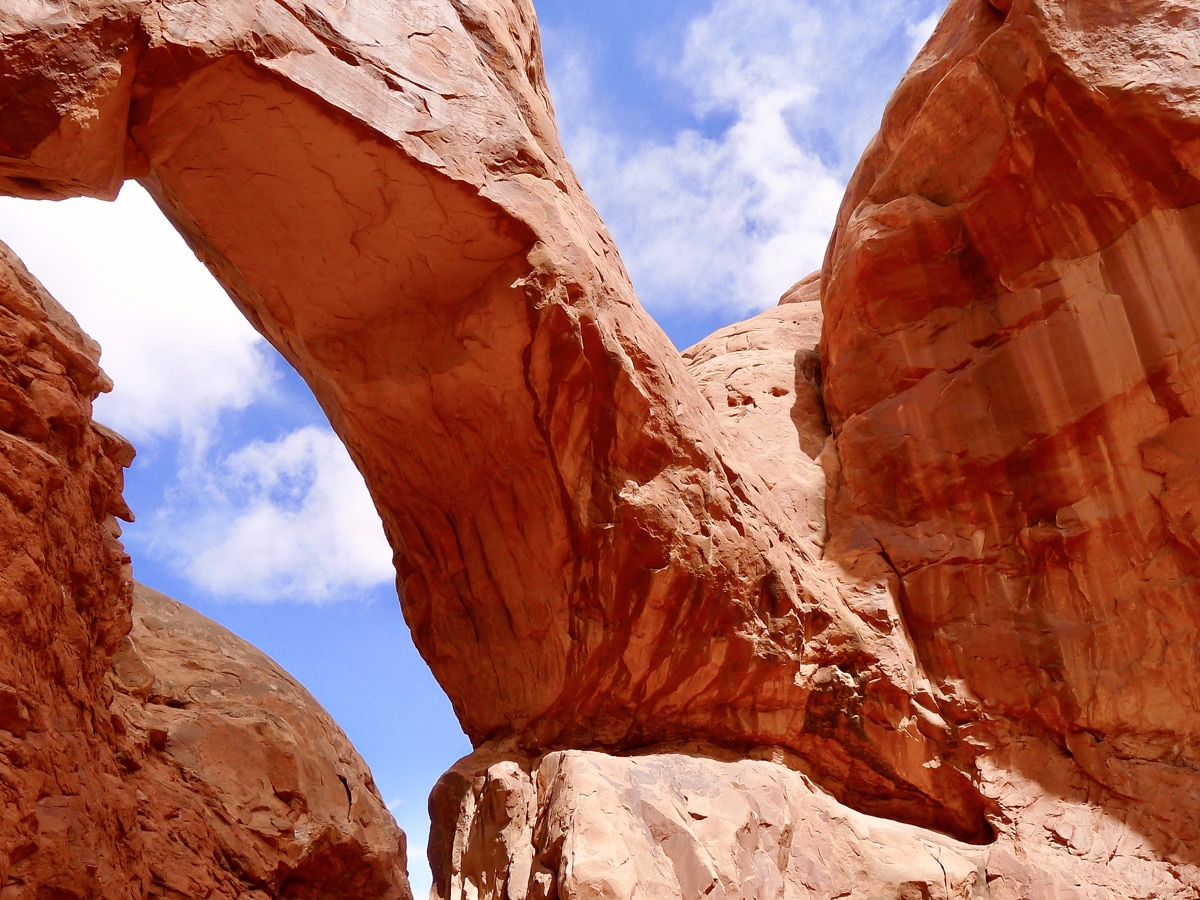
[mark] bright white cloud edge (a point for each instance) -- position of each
(287, 519)
(177, 350)
(722, 221)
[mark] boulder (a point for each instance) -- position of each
(245, 785)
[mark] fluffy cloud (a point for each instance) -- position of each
(288, 519)
(920, 32)
(177, 349)
(272, 519)
(727, 213)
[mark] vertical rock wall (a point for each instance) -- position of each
(1012, 346)
(68, 821)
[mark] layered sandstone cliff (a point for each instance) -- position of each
(912, 586)
(1012, 343)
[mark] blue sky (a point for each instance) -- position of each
(714, 137)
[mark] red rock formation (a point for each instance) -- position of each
(173, 761)
(64, 608)
(690, 821)
(397, 218)
(246, 787)
(990, 614)
(1012, 346)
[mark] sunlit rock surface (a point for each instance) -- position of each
(939, 568)
(246, 786)
(691, 822)
(1012, 352)
(584, 560)
(144, 750)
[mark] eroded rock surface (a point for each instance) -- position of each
(172, 761)
(942, 568)
(380, 188)
(246, 786)
(689, 822)
(64, 608)
(1012, 347)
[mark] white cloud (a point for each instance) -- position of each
(178, 350)
(728, 213)
(727, 221)
(283, 520)
(920, 32)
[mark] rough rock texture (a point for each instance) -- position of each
(691, 823)
(64, 608)
(1012, 346)
(763, 378)
(380, 187)
(942, 569)
(173, 761)
(246, 786)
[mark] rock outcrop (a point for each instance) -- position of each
(697, 821)
(1012, 346)
(144, 750)
(691, 822)
(395, 214)
(246, 787)
(706, 613)
(64, 609)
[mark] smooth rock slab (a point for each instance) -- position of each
(690, 824)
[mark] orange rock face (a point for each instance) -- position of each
(940, 568)
(1012, 347)
(407, 233)
(170, 761)
(64, 608)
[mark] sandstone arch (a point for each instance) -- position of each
(397, 218)
(380, 189)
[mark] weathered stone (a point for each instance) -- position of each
(943, 568)
(245, 782)
(1011, 354)
(590, 566)
(194, 767)
(68, 825)
(688, 822)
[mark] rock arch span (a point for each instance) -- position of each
(396, 216)
(380, 189)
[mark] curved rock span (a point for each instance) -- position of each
(398, 219)
(931, 560)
